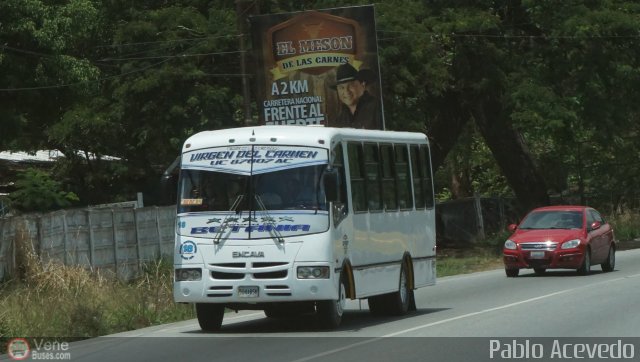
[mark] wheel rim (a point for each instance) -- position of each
(403, 286)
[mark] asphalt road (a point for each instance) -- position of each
(538, 315)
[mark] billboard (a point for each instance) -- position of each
(318, 68)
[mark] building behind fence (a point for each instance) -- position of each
(119, 240)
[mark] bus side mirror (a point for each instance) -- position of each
(169, 184)
(168, 189)
(330, 181)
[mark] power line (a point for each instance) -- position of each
(169, 41)
(85, 81)
(172, 56)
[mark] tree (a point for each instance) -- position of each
(36, 191)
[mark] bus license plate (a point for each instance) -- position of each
(248, 292)
(536, 255)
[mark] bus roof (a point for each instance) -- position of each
(300, 135)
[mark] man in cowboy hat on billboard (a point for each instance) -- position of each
(359, 109)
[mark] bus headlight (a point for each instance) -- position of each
(191, 274)
(313, 272)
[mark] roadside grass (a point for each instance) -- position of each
(626, 227)
(467, 260)
(53, 300)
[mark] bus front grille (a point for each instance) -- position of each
(226, 275)
(280, 274)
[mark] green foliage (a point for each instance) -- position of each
(132, 80)
(626, 226)
(36, 191)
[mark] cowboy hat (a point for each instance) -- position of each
(346, 73)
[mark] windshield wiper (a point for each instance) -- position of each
(269, 219)
(227, 219)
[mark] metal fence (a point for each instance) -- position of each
(472, 219)
(119, 240)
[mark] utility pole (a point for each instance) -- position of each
(243, 9)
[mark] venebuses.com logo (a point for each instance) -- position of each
(18, 349)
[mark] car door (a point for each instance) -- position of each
(599, 246)
(606, 234)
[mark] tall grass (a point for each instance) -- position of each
(54, 300)
(626, 225)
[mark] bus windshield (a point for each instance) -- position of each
(298, 188)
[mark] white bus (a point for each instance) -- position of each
(297, 219)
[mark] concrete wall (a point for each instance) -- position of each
(120, 240)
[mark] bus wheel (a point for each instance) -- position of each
(210, 316)
(399, 301)
(330, 311)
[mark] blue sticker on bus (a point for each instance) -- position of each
(188, 250)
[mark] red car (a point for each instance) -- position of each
(560, 237)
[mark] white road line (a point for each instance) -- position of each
(326, 353)
(508, 305)
(349, 346)
(476, 313)
(224, 320)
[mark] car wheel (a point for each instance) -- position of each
(539, 271)
(330, 311)
(610, 264)
(210, 316)
(585, 268)
(512, 273)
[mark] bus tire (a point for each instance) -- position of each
(330, 311)
(210, 316)
(399, 301)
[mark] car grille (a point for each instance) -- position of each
(536, 263)
(543, 245)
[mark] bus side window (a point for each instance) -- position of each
(426, 162)
(356, 173)
(417, 174)
(405, 197)
(338, 163)
(372, 168)
(389, 187)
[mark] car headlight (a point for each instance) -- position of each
(570, 244)
(313, 272)
(510, 244)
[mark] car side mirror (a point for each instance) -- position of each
(330, 181)
(595, 225)
(512, 227)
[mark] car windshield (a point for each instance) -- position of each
(552, 220)
(289, 189)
